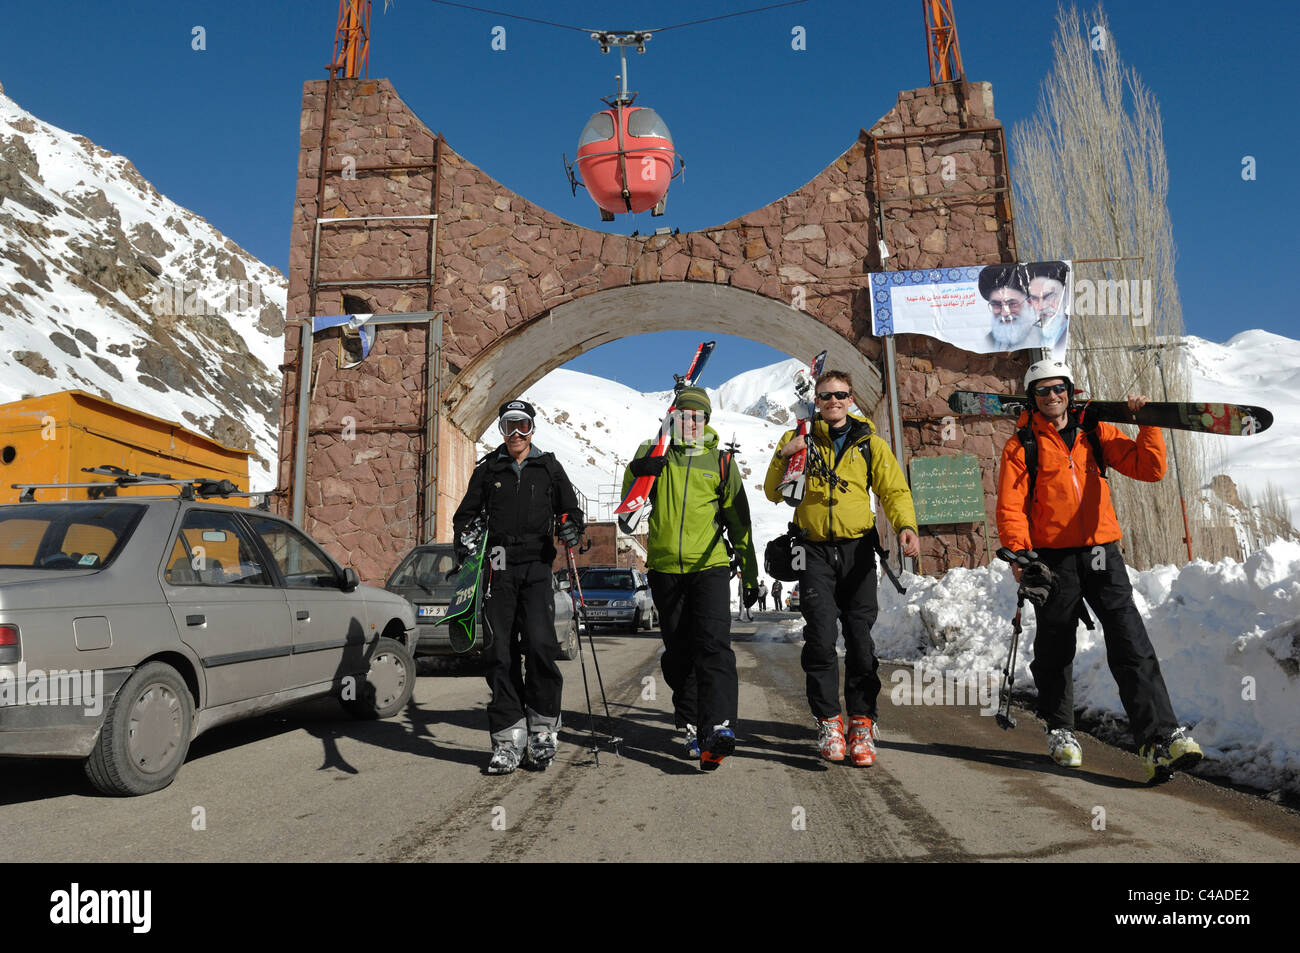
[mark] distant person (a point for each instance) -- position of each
(776, 595)
(525, 493)
(1046, 296)
(1058, 505)
(695, 497)
(762, 596)
(837, 588)
(1006, 290)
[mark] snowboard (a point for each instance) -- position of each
(465, 614)
(1234, 419)
(632, 508)
(795, 479)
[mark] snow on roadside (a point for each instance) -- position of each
(1227, 635)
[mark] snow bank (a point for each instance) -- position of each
(1227, 635)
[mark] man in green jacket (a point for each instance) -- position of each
(697, 496)
(837, 579)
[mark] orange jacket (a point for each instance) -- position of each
(1071, 505)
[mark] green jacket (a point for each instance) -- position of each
(691, 509)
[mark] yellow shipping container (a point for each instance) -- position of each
(49, 439)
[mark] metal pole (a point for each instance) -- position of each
(433, 361)
(895, 418)
(300, 440)
(1178, 470)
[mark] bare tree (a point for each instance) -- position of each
(1091, 182)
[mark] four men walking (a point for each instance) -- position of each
(1053, 506)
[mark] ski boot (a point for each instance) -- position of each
(507, 750)
(831, 738)
(720, 743)
(541, 747)
(862, 740)
(1063, 747)
(692, 742)
(1176, 753)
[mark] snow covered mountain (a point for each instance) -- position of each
(108, 286)
(1260, 368)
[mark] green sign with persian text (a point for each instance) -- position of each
(947, 489)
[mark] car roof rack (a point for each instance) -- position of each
(188, 488)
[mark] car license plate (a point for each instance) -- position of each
(432, 612)
(597, 613)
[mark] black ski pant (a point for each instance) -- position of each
(698, 662)
(520, 615)
(1098, 574)
(838, 588)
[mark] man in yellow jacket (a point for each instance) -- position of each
(698, 495)
(837, 578)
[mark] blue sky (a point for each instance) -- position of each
(217, 130)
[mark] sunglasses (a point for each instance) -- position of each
(1050, 389)
(837, 394)
(515, 425)
(1012, 306)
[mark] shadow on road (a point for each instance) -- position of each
(1018, 760)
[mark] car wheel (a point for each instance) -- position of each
(569, 647)
(388, 684)
(145, 735)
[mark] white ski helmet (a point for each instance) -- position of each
(1042, 370)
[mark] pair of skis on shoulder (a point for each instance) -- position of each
(632, 509)
(1240, 420)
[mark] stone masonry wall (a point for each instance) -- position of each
(495, 247)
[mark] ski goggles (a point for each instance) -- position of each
(1050, 389)
(515, 425)
(837, 394)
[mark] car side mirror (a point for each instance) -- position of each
(350, 580)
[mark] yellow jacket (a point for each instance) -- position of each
(844, 512)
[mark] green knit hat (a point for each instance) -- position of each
(694, 398)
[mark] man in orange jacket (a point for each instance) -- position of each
(1059, 505)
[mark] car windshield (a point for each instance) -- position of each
(425, 568)
(607, 580)
(59, 536)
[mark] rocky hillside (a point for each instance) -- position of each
(110, 287)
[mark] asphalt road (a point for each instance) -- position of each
(949, 785)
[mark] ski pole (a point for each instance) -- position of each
(1004, 717)
(582, 659)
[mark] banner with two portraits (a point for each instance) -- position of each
(978, 308)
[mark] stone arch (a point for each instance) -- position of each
(530, 350)
(520, 290)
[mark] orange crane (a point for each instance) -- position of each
(352, 39)
(941, 42)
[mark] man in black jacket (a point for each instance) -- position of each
(526, 496)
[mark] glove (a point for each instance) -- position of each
(751, 596)
(647, 466)
(1036, 584)
(570, 532)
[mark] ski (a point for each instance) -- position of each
(1234, 419)
(632, 508)
(795, 479)
(465, 614)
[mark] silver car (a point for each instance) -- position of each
(130, 626)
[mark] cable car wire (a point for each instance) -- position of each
(568, 26)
